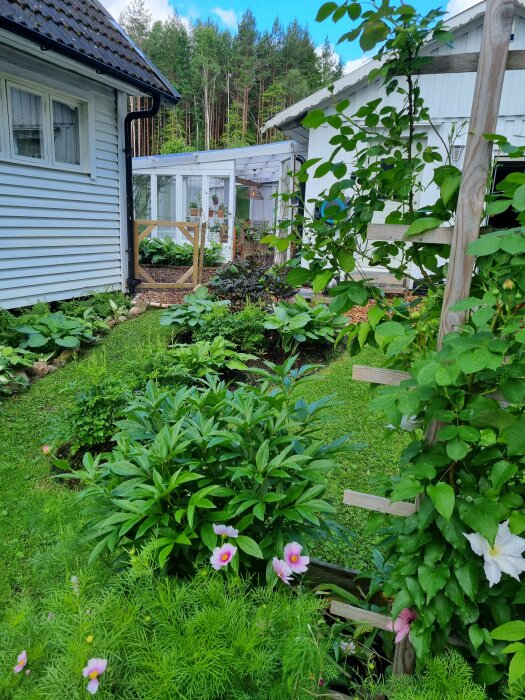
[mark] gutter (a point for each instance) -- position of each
(132, 281)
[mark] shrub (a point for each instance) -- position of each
(445, 677)
(205, 639)
(55, 332)
(12, 363)
(90, 421)
(182, 364)
(244, 328)
(299, 322)
(248, 280)
(189, 314)
(203, 455)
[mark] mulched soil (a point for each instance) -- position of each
(172, 273)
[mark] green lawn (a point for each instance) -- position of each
(358, 468)
(38, 517)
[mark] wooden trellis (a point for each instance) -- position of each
(491, 62)
(195, 234)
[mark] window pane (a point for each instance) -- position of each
(166, 197)
(142, 196)
(26, 123)
(66, 133)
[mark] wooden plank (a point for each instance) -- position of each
(378, 375)
(367, 617)
(497, 27)
(396, 232)
(468, 63)
(166, 285)
(201, 253)
(378, 504)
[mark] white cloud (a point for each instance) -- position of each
(454, 7)
(354, 64)
(160, 9)
(229, 17)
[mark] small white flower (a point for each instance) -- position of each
(504, 557)
(347, 647)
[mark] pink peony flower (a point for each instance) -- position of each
(292, 556)
(21, 662)
(282, 570)
(222, 556)
(94, 669)
(225, 531)
(402, 624)
(46, 449)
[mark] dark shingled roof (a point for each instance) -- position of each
(85, 31)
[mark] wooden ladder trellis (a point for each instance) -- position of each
(491, 62)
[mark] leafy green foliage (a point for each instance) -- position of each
(183, 364)
(513, 632)
(190, 314)
(299, 322)
(8, 323)
(12, 363)
(248, 280)
(212, 638)
(205, 455)
(90, 420)
(100, 305)
(55, 332)
(444, 677)
(244, 328)
(164, 251)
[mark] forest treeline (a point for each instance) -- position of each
(231, 83)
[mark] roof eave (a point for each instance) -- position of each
(48, 44)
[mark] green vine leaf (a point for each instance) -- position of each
(443, 498)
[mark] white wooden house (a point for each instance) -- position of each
(448, 96)
(66, 69)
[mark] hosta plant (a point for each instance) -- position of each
(206, 456)
(13, 361)
(55, 332)
(299, 322)
(189, 314)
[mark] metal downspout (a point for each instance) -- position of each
(132, 282)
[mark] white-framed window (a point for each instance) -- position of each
(43, 126)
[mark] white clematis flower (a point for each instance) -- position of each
(504, 557)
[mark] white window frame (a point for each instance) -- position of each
(48, 95)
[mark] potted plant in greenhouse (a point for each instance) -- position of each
(194, 208)
(221, 211)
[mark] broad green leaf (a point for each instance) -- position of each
(468, 578)
(208, 536)
(485, 245)
(517, 666)
(346, 260)
(449, 187)
(406, 489)
(421, 225)
(483, 516)
(325, 11)
(515, 437)
(457, 449)
(443, 498)
(518, 201)
(249, 546)
(510, 631)
(298, 276)
(475, 634)
(501, 472)
(321, 280)
(432, 578)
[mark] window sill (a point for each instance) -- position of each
(62, 167)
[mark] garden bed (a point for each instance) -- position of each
(172, 273)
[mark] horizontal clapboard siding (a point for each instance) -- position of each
(60, 231)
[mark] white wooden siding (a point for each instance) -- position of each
(60, 231)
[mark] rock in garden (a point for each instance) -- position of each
(41, 369)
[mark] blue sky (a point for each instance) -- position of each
(228, 12)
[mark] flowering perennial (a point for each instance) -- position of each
(21, 662)
(506, 556)
(292, 556)
(94, 669)
(225, 531)
(222, 556)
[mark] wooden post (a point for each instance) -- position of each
(495, 39)
(196, 251)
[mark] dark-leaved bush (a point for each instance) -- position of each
(249, 280)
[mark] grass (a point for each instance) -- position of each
(38, 517)
(358, 468)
